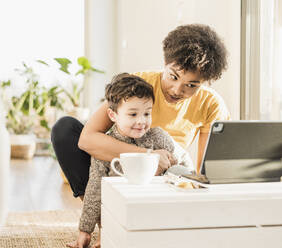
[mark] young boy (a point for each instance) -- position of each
(130, 101)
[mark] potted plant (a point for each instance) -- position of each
(77, 85)
(26, 110)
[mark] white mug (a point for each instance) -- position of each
(138, 168)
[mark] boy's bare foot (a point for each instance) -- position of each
(72, 244)
(82, 241)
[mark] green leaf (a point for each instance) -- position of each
(60, 106)
(86, 66)
(81, 71)
(25, 65)
(64, 63)
(42, 62)
(44, 123)
(70, 97)
(28, 69)
(19, 102)
(52, 90)
(31, 95)
(41, 111)
(96, 70)
(84, 63)
(5, 83)
(45, 97)
(25, 108)
(36, 103)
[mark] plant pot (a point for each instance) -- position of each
(43, 147)
(82, 114)
(22, 146)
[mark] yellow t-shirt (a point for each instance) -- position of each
(184, 119)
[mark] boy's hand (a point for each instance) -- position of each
(83, 240)
(166, 160)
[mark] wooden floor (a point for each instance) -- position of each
(37, 185)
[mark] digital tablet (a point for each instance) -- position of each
(243, 151)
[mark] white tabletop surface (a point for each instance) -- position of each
(158, 189)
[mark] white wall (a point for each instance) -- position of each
(143, 24)
(126, 35)
(100, 47)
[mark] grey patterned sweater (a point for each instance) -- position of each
(156, 138)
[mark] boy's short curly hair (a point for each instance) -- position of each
(196, 48)
(124, 86)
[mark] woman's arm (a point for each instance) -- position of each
(94, 141)
(203, 137)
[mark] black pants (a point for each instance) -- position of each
(74, 162)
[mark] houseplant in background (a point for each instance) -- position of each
(26, 111)
(76, 86)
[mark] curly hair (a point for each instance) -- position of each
(124, 86)
(196, 48)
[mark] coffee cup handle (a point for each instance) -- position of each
(114, 168)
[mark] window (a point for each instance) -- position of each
(261, 78)
(33, 29)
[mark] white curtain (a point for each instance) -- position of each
(261, 60)
(270, 60)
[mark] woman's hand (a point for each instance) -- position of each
(167, 159)
(83, 240)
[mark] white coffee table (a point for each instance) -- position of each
(160, 216)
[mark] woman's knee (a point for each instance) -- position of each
(64, 128)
